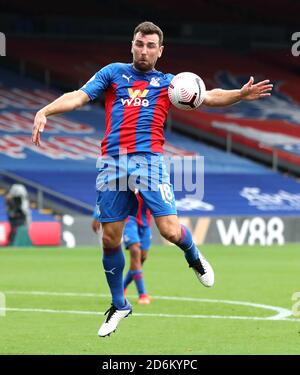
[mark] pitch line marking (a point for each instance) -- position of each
(282, 313)
(81, 312)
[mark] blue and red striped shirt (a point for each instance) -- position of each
(136, 108)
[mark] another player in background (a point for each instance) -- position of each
(137, 239)
(137, 106)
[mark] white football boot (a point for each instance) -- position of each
(203, 271)
(113, 319)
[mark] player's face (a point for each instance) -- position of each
(145, 50)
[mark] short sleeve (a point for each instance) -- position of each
(99, 82)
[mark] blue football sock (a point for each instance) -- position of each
(113, 262)
(138, 277)
(128, 279)
(187, 244)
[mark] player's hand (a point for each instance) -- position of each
(251, 91)
(40, 121)
(95, 226)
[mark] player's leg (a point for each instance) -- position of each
(170, 228)
(144, 256)
(113, 207)
(132, 243)
(135, 268)
(113, 263)
(161, 201)
(113, 260)
(145, 238)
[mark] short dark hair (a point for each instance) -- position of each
(147, 28)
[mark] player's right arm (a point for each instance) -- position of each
(65, 103)
(72, 100)
(95, 226)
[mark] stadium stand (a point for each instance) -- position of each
(198, 11)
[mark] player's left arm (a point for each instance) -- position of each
(250, 91)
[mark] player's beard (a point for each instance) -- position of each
(143, 66)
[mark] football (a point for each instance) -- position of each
(186, 91)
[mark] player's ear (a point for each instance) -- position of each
(131, 50)
(161, 48)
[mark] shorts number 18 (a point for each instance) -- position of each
(166, 192)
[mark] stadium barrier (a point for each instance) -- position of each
(233, 230)
(38, 234)
(251, 230)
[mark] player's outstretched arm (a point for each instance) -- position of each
(250, 91)
(65, 103)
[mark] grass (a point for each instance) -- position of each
(258, 275)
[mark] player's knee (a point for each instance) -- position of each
(110, 241)
(170, 234)
(169, 228)
(143, 258)
(135, 252)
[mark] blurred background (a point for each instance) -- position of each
(251, 150)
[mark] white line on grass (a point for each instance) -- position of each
(282, 313)
(81, 312)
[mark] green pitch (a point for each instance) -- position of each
(56, 298)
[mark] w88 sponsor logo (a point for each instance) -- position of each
(136, 98)
(252, 231)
